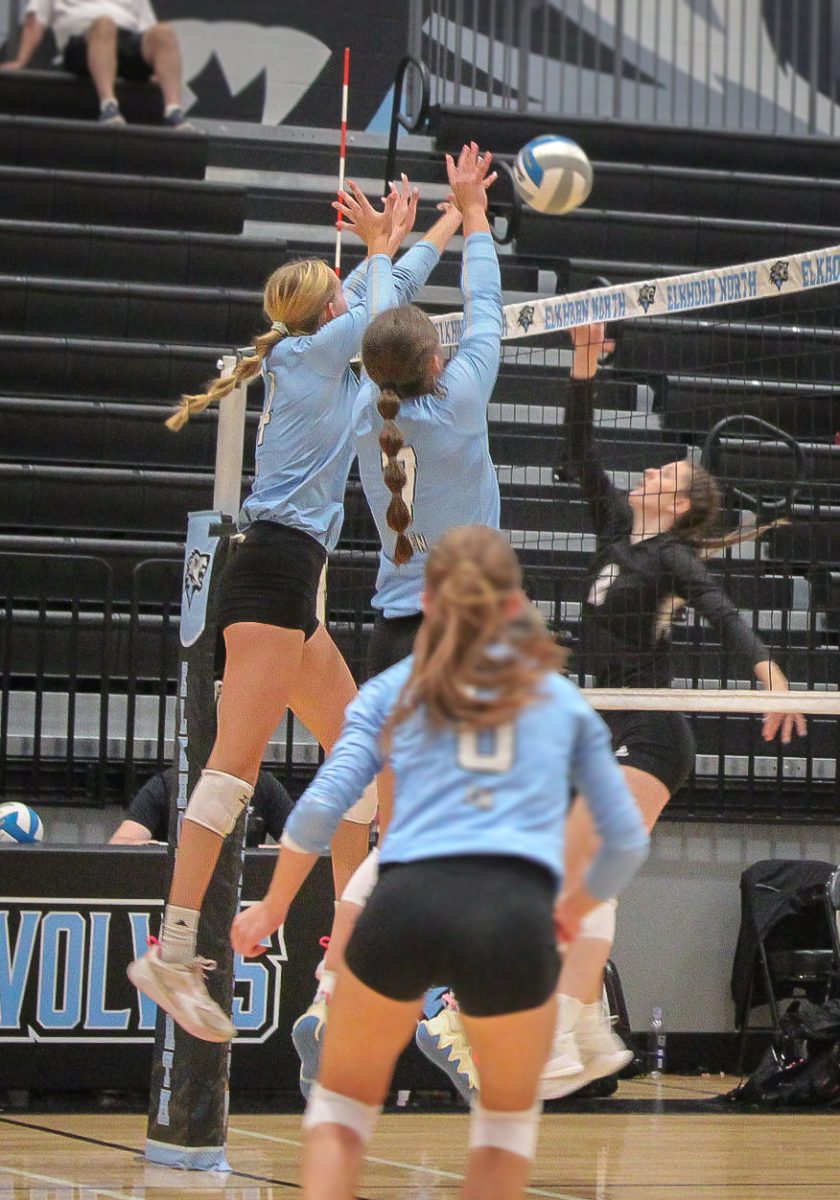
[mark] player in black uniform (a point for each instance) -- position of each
(648, 566)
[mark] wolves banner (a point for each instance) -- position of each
(71, 920)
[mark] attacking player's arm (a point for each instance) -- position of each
(702, 592)
(581, 460)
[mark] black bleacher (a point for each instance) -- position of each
(124, 274)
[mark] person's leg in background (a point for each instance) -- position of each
(160, 48)
(585, 1046)
(101, 38)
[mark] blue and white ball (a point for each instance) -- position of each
(552, 174)
(20, 823)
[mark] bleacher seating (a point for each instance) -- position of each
(131, 261)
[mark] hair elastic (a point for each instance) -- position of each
(280, 327)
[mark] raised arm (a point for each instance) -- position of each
(693, 582)
(338, 341)
(352, 764)
(416, 265)
(470, 376)
(581, 460)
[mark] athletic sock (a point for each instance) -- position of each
(170, 109)
(103, 104)
(178, 934)
(326, 987)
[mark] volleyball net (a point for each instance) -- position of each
(737, 369)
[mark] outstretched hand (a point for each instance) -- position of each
(591, 345)
(784, 726)
(375, 228)
(405, 213)
(251, 927)
(470, 177)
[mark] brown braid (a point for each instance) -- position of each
(295, 294)
(397, 353)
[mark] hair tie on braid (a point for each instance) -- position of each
(280, 327)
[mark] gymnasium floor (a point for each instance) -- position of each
(665, 1140)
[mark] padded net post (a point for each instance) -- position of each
(188, 1107)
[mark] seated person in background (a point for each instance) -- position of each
(103, 39)
(148, 812)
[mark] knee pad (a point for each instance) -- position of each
(363, 880)
(515, 1132)
(217, 801)
(600, 923)
(330, 1108)
(364, 810)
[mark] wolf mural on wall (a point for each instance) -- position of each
(270, 62)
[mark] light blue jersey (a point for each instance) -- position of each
(304, 440)
(450, 479)
(503, 792)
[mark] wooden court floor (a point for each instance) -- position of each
(663, 1140)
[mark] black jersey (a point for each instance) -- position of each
(635, 589)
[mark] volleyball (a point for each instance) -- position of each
(20, 823)
(552, 174)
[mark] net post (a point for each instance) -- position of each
(188, 1099)
(230, 439)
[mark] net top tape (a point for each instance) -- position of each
(669, 295)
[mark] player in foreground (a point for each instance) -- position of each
(485, 739)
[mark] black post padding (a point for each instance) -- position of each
(188, 1103)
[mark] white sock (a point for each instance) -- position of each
(178, 934)
(170, 109)
(569, 1011)
(326, 986)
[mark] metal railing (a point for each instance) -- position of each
(753, 65)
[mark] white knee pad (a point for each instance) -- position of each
(330, 1108)
(364, 810)
(600, 923)
(363, 880)
(217, 801)
(515, 1132)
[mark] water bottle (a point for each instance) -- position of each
(656, 1045)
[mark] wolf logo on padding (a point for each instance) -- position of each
(779, 274)
(525, 319)
(196, 569)
(647, 295)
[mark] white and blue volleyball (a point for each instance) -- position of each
(20, 823)
(552, 174)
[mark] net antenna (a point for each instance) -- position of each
(342, 156)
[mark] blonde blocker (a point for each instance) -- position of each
(295, 295)
(706, 503)
(474, 666)
(397, 354)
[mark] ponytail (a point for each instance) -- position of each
(294, 300)
(391, 442)
(706, 505)
(243, 372)
(474, 666)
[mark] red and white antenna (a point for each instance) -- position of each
(342, 154)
